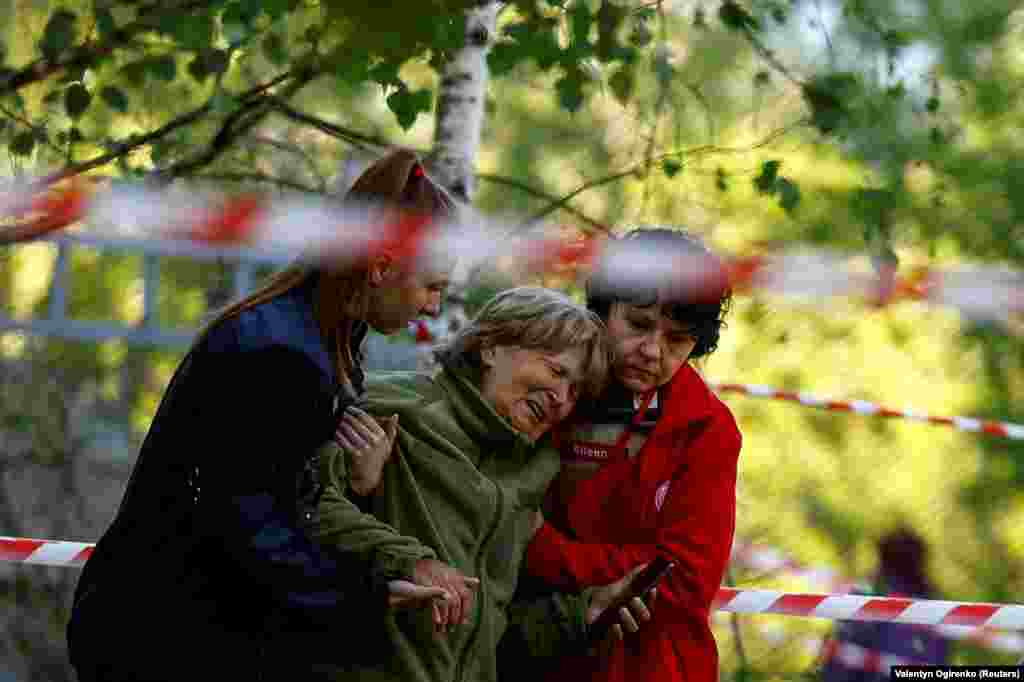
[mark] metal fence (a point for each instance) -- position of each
(149, 332)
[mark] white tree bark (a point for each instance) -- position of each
(460, 105)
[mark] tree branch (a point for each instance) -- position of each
(355, 139)
(296, 151)
(135, 142)
(239, 122)
(87, 54)
(259, 177)
(703, 150)
(540, 194)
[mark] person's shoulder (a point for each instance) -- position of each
(404, 389)
(694, 400)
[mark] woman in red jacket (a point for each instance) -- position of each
(650, 469)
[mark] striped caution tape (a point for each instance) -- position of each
(969, 424)
(828, 606)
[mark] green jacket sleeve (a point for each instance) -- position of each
(336, 521)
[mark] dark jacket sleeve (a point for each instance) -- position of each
(266, 411)
(543, 626)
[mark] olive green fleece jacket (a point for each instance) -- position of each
(461, 486)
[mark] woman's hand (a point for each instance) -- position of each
(368, 445)
(457, 605)
(631, 614)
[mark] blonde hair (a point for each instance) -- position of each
(534, 318)
(397, 179)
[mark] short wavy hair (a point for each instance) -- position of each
(651, 265)
(535, 318)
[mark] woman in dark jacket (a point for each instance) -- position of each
(205, 560)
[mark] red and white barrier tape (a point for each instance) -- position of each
(992, 428)
(768, 559)
(829, 606)
(327, 229)
(45, 552)
(867, 608)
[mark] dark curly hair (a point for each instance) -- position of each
(651, 265)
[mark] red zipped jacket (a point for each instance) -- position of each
(677, 498)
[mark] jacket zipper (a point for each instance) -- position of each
(460, 668)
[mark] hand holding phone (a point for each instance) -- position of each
(640, 586)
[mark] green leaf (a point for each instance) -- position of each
(385, 73)
(621, 84)
(932, 105)
(234, 24)
(570, 92)
(274, 50)
(407, 104)
(22, 144)
(59, 34)
(163, 68)
(765, 182)
(502, 58)
(198, 69)
(580, 18)
(789, 194)
(115, 98)
(134, 72)
(76, 100)
(193, 31)
(609, 19)
(3, 52)
(207, 62)
(671, 167)
(106, 25)
(277, 8)
(721, 179)
(75, 135)
(736, 17)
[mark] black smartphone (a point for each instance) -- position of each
(640, 586)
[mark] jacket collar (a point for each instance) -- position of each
(685, 399)
(476, 416)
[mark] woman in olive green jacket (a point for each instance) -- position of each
(459, 499)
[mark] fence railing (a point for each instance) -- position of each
(149, 331)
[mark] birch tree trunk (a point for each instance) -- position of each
(460, 105)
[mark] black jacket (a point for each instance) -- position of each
(205, 560)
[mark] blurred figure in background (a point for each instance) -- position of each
(864, 652)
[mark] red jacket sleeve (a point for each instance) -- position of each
(696, 530)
